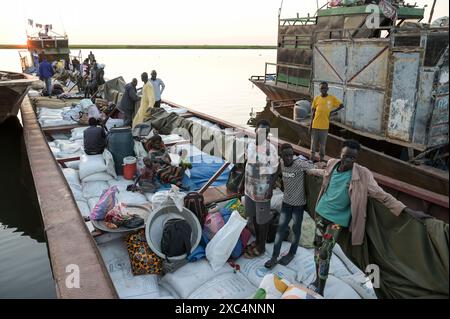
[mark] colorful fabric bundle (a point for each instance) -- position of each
(171, 174)
(117, 217)
(105, 203)
(143, 260)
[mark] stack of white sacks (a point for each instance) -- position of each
(72, 147)
(53, 117)
(89, 177)
(214, 278)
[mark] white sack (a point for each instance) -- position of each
(94, 189)
(83, 207)
(91, 164)
(225, 286)
(191, 276)
(221, 246)
(130, 198)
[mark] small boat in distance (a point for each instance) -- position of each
(46, 42)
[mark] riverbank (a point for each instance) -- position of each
(151, 46)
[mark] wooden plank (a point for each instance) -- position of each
(214, 177)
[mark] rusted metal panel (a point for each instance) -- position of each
(294, 56)
(404, 88)
(439, 121)
(360, 70)
(424, 107)
(367, 63)
(330, 61)
(364, 110)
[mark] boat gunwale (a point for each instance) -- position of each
(58, 223)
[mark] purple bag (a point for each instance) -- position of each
(106, 202)
(213, 223)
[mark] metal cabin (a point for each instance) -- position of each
(392, 78)
(45, 42)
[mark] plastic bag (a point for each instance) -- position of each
(213, 223)
(273, 286)
(167, 198)
(106, 202)
(220, 247)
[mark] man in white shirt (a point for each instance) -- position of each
(158, 88)
(261, 171)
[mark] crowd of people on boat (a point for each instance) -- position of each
(343, 196)
(88, 76)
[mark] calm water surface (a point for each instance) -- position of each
(211, 81)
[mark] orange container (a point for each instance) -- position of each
(129, 167)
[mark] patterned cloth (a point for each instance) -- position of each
(326, 236)
(143, 260)
(294, 182)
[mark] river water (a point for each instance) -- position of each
(211, 81)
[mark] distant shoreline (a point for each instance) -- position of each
(132, 46)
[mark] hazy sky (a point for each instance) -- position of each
(162, 21)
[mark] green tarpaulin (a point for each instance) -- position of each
(413, 258)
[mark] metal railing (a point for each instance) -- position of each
(288, 75)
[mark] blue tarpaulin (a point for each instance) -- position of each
(203, 168)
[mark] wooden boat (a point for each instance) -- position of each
(378, 161)
(366, 68)
(13, 89)
(45, 42)
(71, 243)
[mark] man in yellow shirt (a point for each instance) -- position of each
(147, 100)
(322, 106)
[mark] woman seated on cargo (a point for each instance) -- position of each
(160, 158)
(94, 138)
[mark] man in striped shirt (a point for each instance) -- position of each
(294, 201)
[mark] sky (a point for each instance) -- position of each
(163, 22)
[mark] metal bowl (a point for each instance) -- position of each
(155, 225)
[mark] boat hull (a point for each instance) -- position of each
(13, 89)
(276, 92)
(423, 177)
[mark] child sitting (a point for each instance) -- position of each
(148, 182)
(157, 153)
